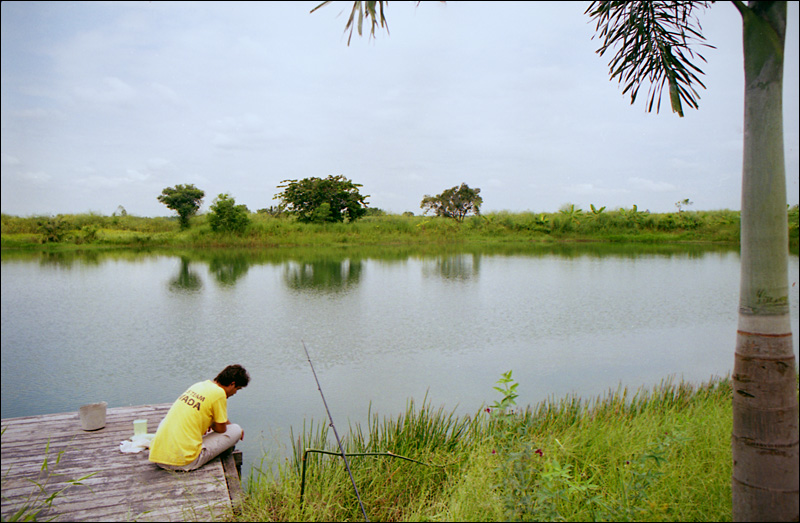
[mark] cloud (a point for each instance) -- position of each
(132, 176)
(7, 159)
(36, 177)
(167, 93)
(37, 113)
(243, 132)
(155, 165)
(651, 186)
(591, 189)
(111, 90)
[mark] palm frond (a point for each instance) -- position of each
(653, 42)
(370, 10)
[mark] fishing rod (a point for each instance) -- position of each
(338, 441)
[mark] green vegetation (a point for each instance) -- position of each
(456, 202)
(321, 200)
(183, 199)
(264, 229)
(39, 501)
(226, 216)
(657, 455)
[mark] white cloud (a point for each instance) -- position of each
(166, 93)
(36, 177)
(643, 184)
(7, 159)
(110, 90)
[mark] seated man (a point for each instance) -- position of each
(196, 428)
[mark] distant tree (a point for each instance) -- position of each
(183, 199)
(683, 203)
(456, 202)
(272, 210)
(226, 216)
(319, 200)
(53, 229)
(375, 211)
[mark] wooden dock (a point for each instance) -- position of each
(124, 487)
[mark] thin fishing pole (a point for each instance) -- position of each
(338, 441)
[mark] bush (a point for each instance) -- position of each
(227, 216)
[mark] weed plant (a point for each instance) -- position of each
(654, 455)
(40, 499)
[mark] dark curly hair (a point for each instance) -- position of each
(233, 374)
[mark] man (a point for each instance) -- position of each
(196, 428)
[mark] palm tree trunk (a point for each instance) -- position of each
(765, 408)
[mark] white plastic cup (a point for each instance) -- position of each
(139, 427)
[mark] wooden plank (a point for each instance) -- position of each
(124, 487)
(233, 481)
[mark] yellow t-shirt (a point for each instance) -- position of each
(179, 438)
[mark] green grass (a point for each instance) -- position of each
(654, 455)
(92, 230)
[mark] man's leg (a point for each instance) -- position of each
(215, 443)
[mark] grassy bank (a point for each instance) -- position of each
(97, 231)
(653, 455)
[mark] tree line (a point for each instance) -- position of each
(333, 199)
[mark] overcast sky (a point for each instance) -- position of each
(106, 104)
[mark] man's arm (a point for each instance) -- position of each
(219, 427)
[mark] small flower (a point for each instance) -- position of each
(488, 409)
(494, 451)
(539, 452)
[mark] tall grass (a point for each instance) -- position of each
(657, 455)
(621, 226)
(267, 230)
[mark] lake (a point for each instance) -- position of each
(382, 326)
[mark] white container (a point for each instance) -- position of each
(93, 416)
(139, 427)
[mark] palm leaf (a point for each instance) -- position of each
(363, 9)
(653, 43)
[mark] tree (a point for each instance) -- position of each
(183, 199)
(765, 409)
(654, 41)
(455, 202)
(683, 203)
(227, 216)
(319, 200)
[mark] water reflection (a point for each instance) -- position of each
(322, 275)
(65, 260)
(187, 280)
(228, 268)
(459, 267)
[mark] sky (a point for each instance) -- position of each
(105, 104)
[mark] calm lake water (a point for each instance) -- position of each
(382, 325)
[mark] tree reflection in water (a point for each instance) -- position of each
(187, 280)
(322, 275)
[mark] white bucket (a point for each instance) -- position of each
(93, 416)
